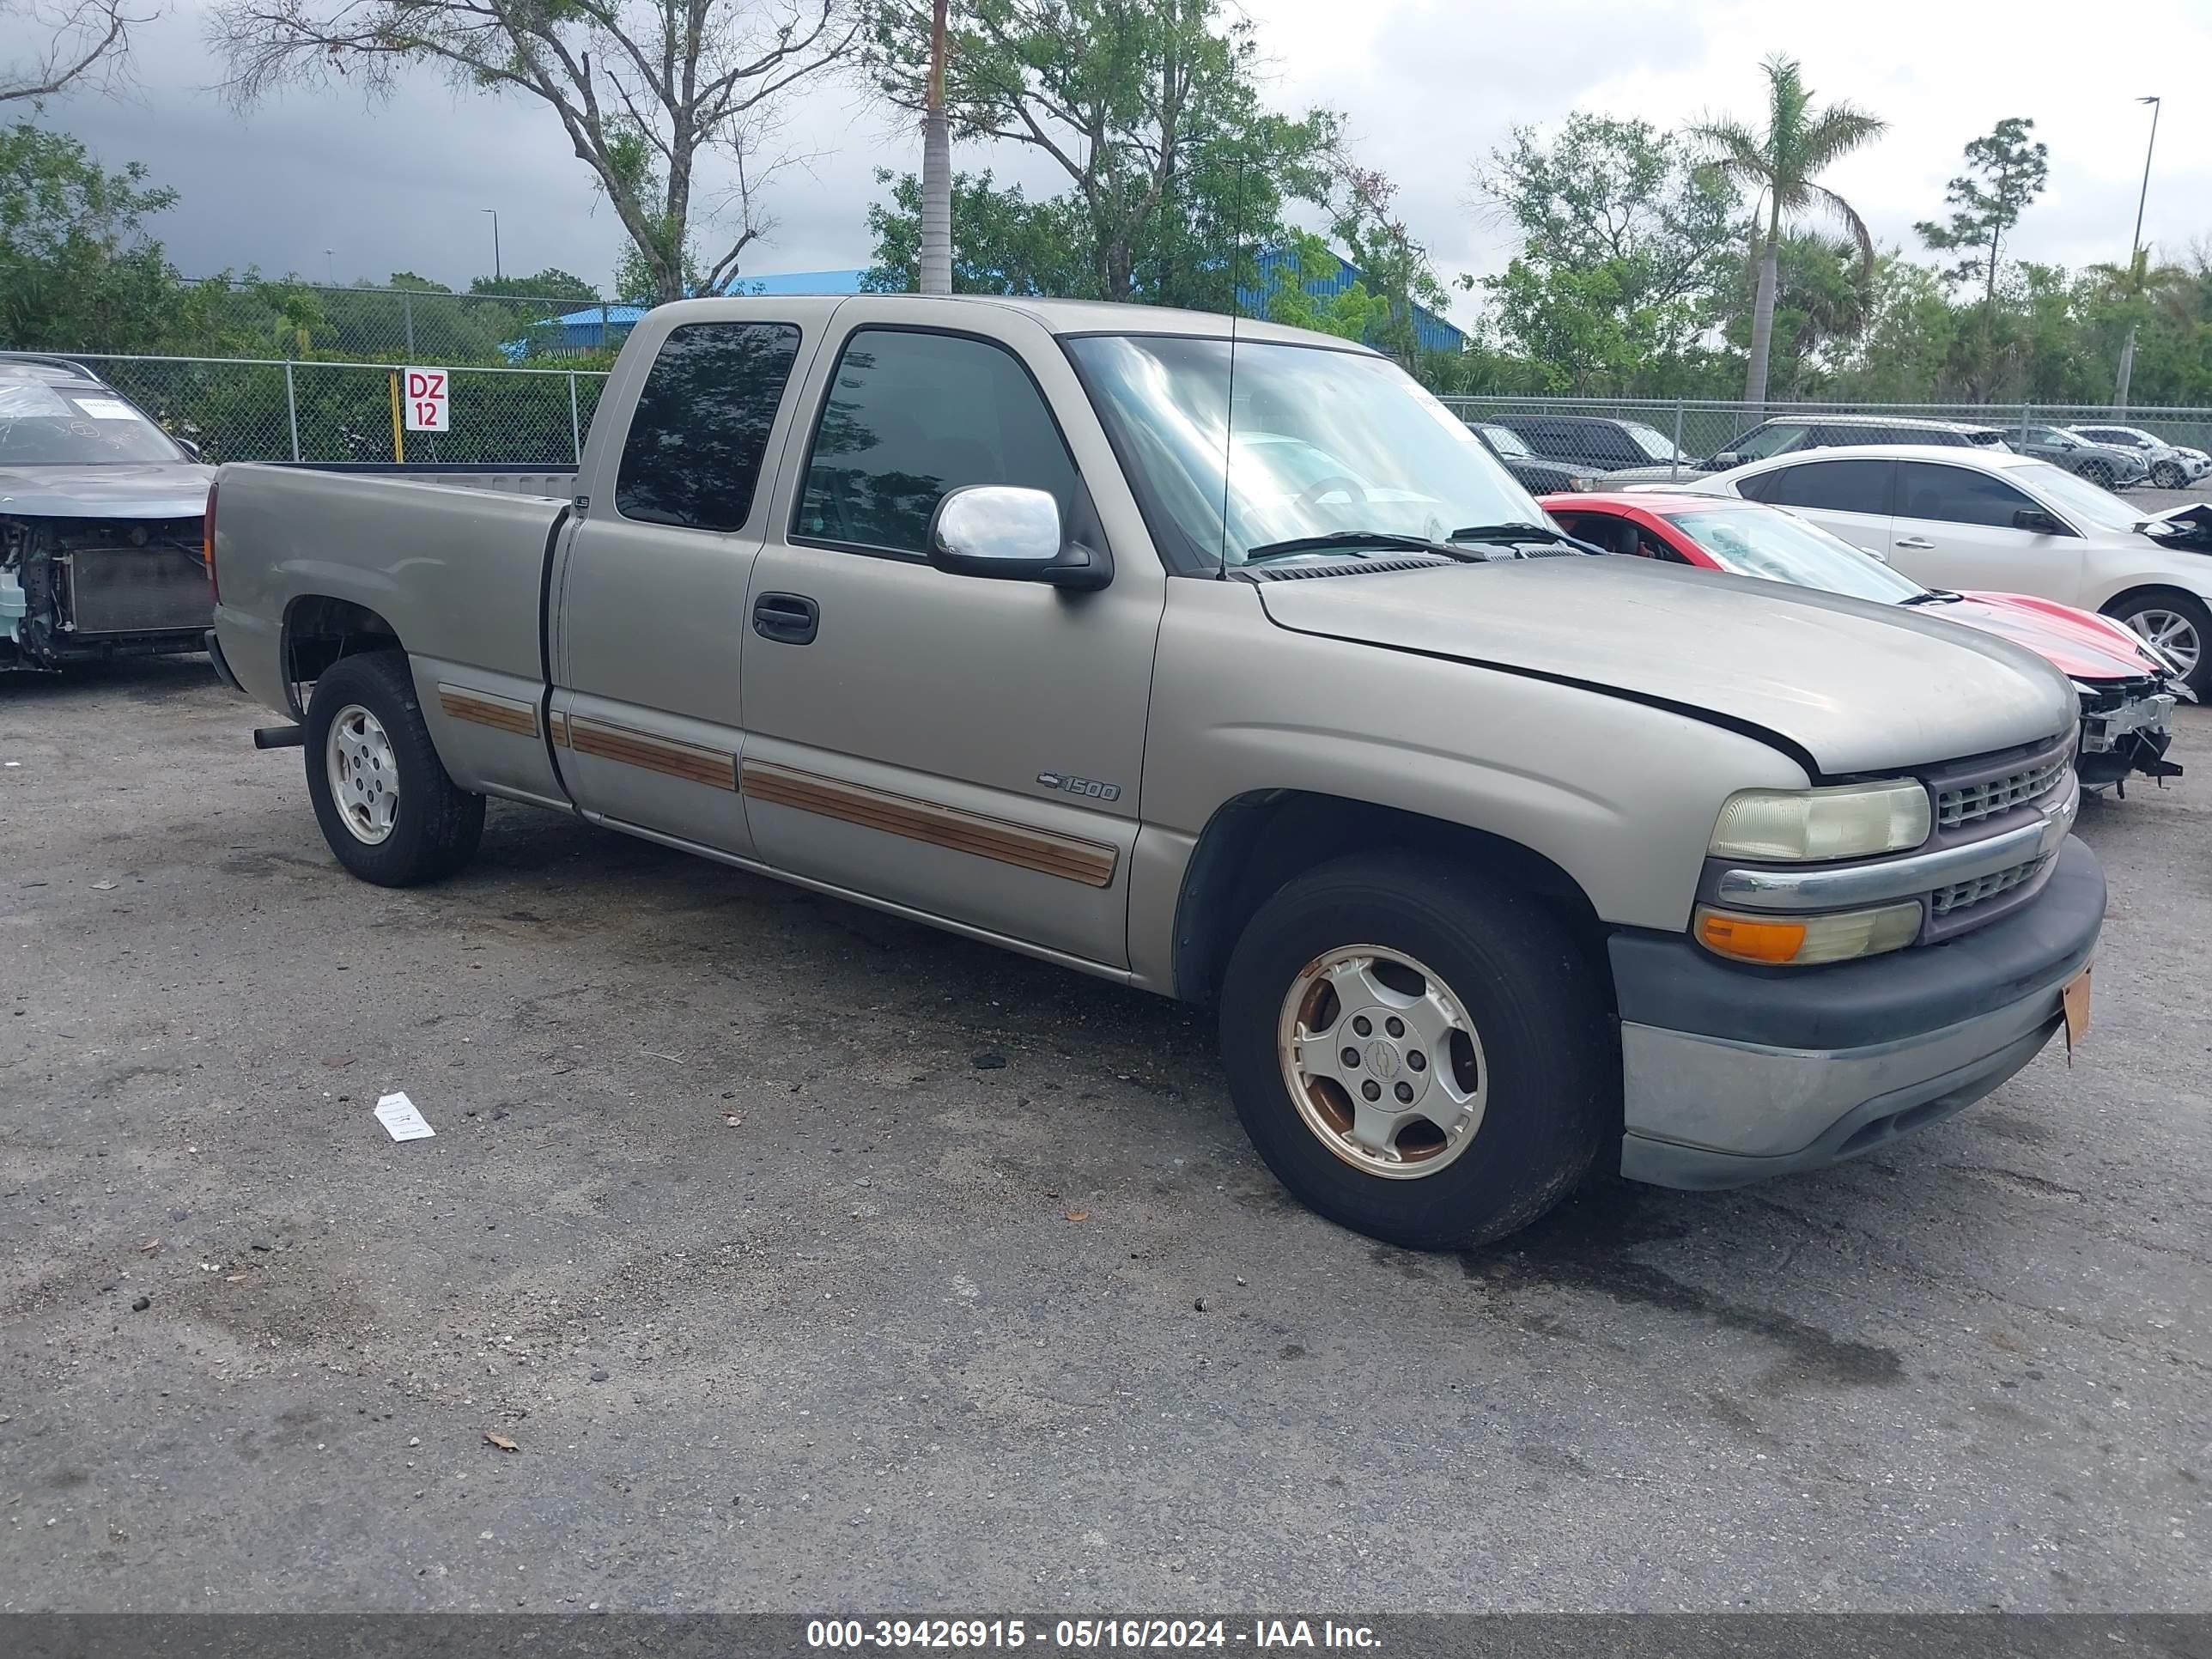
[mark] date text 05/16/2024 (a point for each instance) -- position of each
(1256, 1635)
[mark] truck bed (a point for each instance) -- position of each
(451, 560)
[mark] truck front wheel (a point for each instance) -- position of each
(1418, 1056)
(387, 808)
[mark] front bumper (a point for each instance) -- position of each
(2124, 729)
(1731, 1075)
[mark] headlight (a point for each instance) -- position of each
(1806, 941)
(1580, 485)
(1852, 820)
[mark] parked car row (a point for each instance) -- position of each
(1614, 452)
(1497, 862)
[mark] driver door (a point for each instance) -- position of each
(967, 747)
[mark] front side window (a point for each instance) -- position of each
(912, 417)
(1322, 443)
(1827, 486)
(1506, 441)
(693, 455)
(1955, 494)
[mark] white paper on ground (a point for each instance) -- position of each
(398, 1115)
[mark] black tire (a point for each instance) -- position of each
(2166, 475)
(1553, 1072)
(436, 826)
(2130, 606)
(2097, 472)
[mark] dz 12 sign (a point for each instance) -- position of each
(427, 393)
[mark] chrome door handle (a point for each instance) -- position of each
(1914, 544)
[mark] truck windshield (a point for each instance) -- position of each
(74, 425)
(1781, 547)
(1323, 443)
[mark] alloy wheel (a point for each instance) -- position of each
(1382, 1061)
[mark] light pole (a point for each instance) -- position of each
(495, 241)
(330, 269)
(2135, 264)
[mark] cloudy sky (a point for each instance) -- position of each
(318, 183)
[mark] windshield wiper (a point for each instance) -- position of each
(1934, 596)
(1505, 535)
(1346, 541)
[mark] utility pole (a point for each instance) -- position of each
(495, 241)
(936, 169)
(2135, 263)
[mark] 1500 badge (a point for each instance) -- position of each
(1088, 788)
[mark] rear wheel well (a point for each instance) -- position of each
(1259, 842)
(319, 630)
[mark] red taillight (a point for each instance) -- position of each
(207, 546)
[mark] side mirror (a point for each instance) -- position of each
(187, 445)
(2036, 519)
(1724, 461)
(1011, 533)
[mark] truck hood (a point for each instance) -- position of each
(132, 489)
(1857, 687)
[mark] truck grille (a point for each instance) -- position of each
(1971, 803)
(1945, 901)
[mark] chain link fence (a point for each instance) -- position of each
(1572, 443)
(270, 409)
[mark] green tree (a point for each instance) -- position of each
(1782, 164)
(1005, 242)
(550, 284)
(1350, 312)
(1149, 107)
(1615, 213)
(672, 104)
(1393, 266)
(299, 317)
(78, 268)
(1822, 299)
(2006, 172)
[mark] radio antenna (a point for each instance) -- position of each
(1229, 411)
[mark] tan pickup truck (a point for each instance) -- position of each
(1236, 669)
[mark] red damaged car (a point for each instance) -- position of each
(2128, 690)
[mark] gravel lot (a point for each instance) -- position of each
(815, 1261)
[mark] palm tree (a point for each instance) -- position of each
(1781, 164)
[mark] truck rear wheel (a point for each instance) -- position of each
(386, 806)
(1417, 1055)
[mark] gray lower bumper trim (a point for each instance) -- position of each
(1874, 1123)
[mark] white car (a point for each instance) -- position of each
(1967, 518)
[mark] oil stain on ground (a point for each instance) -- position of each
(1586, 1245)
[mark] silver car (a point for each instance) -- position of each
(2169, 466)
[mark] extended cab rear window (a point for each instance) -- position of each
(693, 456)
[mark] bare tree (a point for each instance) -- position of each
(87, 40)
(649, 92)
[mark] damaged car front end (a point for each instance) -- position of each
(100, 516)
